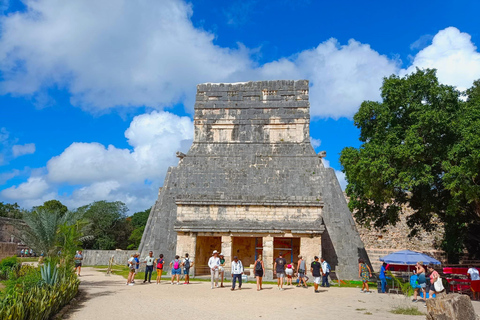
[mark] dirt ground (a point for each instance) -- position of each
(107, 297)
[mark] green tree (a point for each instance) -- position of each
(10, 211)
(138, 221)
(53, 205)
(107, 225)
(419, 149)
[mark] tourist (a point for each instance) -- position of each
(176, 270)
(289, 273)
(78, 262)
(259, 271)
(301, 267)
(221, 269)
(131, 270)
(422, 281)
(237, 271)
(414, 284)
(160, 262)
(475, 281)
(22, 253)
(325, 272)
(26, 252)
(365, 274)
(315, 269)
(279, 270)
(187, 263)
(383, 277)
(214, 264)
(137, 264)
(436, 285)
(150, 261)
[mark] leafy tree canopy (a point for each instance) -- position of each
(420, 148)
(10, 211)
(139, 219)
(53, 205)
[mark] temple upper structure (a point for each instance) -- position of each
(252, 184)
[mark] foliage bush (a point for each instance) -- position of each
(8, 265)
(37, 302)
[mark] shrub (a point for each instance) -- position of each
(9, 265)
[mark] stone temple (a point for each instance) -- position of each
(252, 184)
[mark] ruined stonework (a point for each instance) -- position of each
(252, 184)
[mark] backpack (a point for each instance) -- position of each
(160, 264)
(186, 264)
(258, 266)
(176, 264)
(328, 267)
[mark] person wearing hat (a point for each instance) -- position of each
(214, 264)
(279, 270)
(237, 271)
(221, 269)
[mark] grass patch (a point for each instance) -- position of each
(28, 259)
(409, 311)
(360, 309)
(369, 313)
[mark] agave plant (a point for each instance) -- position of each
(49, 273)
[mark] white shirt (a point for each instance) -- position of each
(473, 272)
(325, 267)
(131, 261)
(237, 267)
(214, 262)
(149, 260)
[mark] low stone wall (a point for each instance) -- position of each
(102, 257)
(7, 249)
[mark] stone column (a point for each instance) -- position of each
(186, 243)
(310, 247)
(227, 253)
(268, 257)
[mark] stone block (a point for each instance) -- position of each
(451, 307)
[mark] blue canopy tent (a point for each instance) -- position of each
(408, 257)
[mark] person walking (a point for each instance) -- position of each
(78, 262)
(325, 272)
(474, 276)
(175, 266)
(214, 264)
(237, 271)
(279, 270)
(160, 262)
(137, 264)
(187, 264)
(422, 281)
(364, 273)
(131, 270)
(383, 277)
(415, 286)
(316, 270)
(149, 260)
(259, 271)
(289, 274)
(221, 269)
(301, 268)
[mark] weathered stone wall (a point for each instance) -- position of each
(8, 230)
(102, 257)
(7, 249)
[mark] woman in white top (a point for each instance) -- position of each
(214, 264)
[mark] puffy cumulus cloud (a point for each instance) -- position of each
(35, 187)
(315, 142)
(454, 56)
(341, 76)
(110, 53)
(96, 172)
(23, 149)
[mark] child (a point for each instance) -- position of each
(160, 262)
(289, 273)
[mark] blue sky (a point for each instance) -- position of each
(96, 96)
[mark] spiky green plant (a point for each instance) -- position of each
(49, 273)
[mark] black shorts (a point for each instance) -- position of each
(259, 273)
(78, 264)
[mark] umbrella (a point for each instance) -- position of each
(408, 257)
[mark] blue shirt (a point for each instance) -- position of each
(382, 273)
(137, 263)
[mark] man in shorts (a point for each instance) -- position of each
(315, 269)
(78, 262)
(301, 267)
(279, 270)
(187, 264)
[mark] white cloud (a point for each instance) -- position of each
(108, 173)
(315, 142)
(34, 187)
(20, 150)
(341, 179)
(454, 56)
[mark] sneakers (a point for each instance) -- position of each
(281, 289)
(361, 291)
(317, 291)
(368, 291)
(130, 284)
(414, 300)
(232, 289)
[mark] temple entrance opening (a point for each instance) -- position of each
(203, 252)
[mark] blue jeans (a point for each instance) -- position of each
(234, 280)
(148, 271)
(325, 280)
(384, 285)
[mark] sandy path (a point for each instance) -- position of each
(109, 298)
